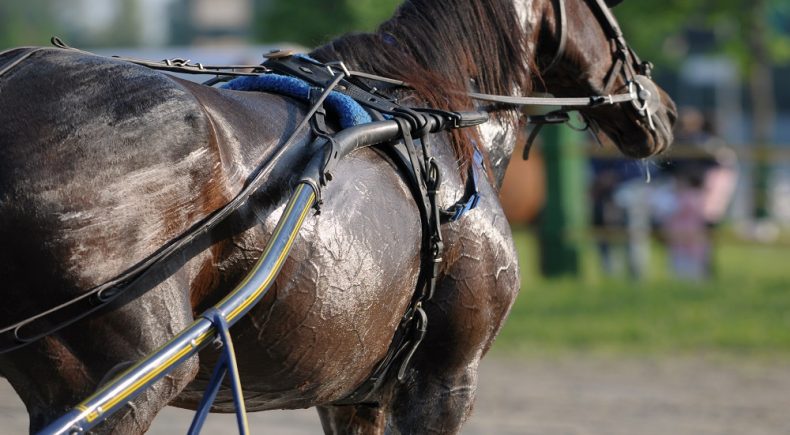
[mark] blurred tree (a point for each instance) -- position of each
(124, 30)
(368, 14)
(29, 22)
(312, 22)
(657, 29)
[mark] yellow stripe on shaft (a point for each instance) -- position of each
(280, 259)
(126, 392)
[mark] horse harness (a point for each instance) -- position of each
(411, 155)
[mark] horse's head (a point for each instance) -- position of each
(581, 52)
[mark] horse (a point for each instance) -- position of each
(102, 162)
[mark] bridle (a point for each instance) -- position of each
(641, 91)
(637, 73)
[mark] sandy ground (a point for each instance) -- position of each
(568, 396)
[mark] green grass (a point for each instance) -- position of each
(744, 310)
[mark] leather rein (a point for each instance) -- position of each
(641, 92)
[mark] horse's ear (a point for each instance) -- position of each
(613, 3)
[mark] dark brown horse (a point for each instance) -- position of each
(102, 162)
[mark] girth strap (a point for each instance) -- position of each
(412, 157)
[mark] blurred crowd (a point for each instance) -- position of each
(679, 200)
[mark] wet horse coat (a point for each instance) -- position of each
(102, 162)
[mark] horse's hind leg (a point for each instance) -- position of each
(150, 322)
(431, 401)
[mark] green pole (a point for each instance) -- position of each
(564, 218)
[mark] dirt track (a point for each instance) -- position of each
(569, 396)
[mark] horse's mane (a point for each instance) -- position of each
(438, 47)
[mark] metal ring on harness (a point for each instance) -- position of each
(635, 89)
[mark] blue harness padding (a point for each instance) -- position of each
(348, 112)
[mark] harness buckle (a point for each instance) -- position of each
(555, 117)
(420, 328)
(278, 53)
(633, 91)
(436, 250)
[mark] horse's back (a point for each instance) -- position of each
(112, 160)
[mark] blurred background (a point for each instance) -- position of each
(672, 270)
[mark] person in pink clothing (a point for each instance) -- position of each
(704, 183)
(686, 229)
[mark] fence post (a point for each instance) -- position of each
(564, 218)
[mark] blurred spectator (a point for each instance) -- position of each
(688, 198)
(635, 197)
(607, 216)
(615, 225)
(703, 183)
(686, 231)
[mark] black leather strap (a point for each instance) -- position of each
(561, 29)
(25, 53)
(318, 74)
(412, 158)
